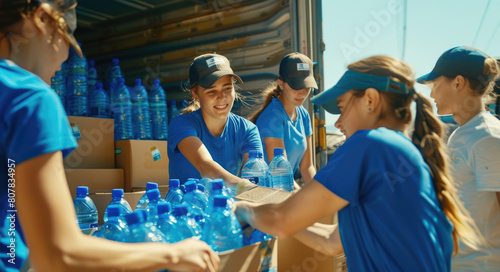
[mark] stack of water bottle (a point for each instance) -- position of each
(198, 213)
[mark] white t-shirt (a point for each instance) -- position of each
(475, 165)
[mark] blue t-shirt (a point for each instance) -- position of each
(274, 122)
(32, 123)
(394, 221)
(239, 137)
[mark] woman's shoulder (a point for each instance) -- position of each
(239, 121)
(380, 138)
(273, 110)
(13, 77)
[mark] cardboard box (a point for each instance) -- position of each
(102, 200)
(98, 180)
(262, 256)
(95, 137)
(142, 161)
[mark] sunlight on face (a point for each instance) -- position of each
(217, 100)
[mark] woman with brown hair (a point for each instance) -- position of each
(35, 36)
(397, 206)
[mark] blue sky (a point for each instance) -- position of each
(355, 29)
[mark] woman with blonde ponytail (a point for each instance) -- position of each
(398, 209)
(462, 84)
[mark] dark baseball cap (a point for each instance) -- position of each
(461, 60)
(296, 69)
(208, 68)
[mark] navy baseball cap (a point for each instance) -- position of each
(296, 69)
(208, 68)
(353, 80)
(461, 60)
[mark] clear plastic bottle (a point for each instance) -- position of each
(58, 84)
(174, 195)
(86, 212)
(141, 121)
(217, 189)
(173, 111)
(158, 106)
(255, 169)
(99, 103)
(92, 77)
(122, 109)
(115, 228)
(186, 226)
(141, 230)
(193, 196)
(167, 222)
(113, 73)
(223, 231)
(118, 200)
(76, 84)
(143, 202)
(281, 172)
(154, 197)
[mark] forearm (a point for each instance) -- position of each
(213, 170)
(323, 238)
(308, 172)
(264, 217)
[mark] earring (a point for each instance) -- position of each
(369, 108)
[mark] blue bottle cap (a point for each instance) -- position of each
(156, 81)
(194, 179)
(217, 184)
(82, 190)
(138, 81)
(135, 217)
(117, 193)
(151, 186)
(278, 151)
(180, 210)
(91, 63)
(153, 194)
(115, 61)
(174, 183)
(164, 207)
(190, 186)
(99, 85)
(220, 201)
(200, 188)
(254, 154)
(113, 211)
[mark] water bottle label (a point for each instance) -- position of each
(94, 225)
(156, 153)
(76, 132)
(254, 180)
(118, 150)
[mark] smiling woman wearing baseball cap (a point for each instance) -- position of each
(211, 141)
(35, 36)
(397, 207)
(462, 84)
(283, 121)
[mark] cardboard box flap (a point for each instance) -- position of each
(260, 194)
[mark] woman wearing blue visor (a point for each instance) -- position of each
(398, 209)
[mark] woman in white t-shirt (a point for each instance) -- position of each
(462, 84)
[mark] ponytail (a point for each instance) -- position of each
(272, 91)
(427, 137)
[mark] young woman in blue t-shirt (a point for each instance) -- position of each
(283, 121)
(397, 205)
(34, 137)
(208, 141)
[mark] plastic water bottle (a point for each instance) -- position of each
(174, 195)
(158, 106)
(194, 197)
(122, 109)
(113, 73)
(141, 122)
(255, 169)
(173, 111)
(58, 84)
(99, 102)
(281, 172)
(115, 228)
(86, 212)
(143, 202)
(186, 226)
(92, 77)
(76, 84)
(167, 222)
(117, 195)
(141, 230)
(154, 197)
(223, 231)
(217, 189)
